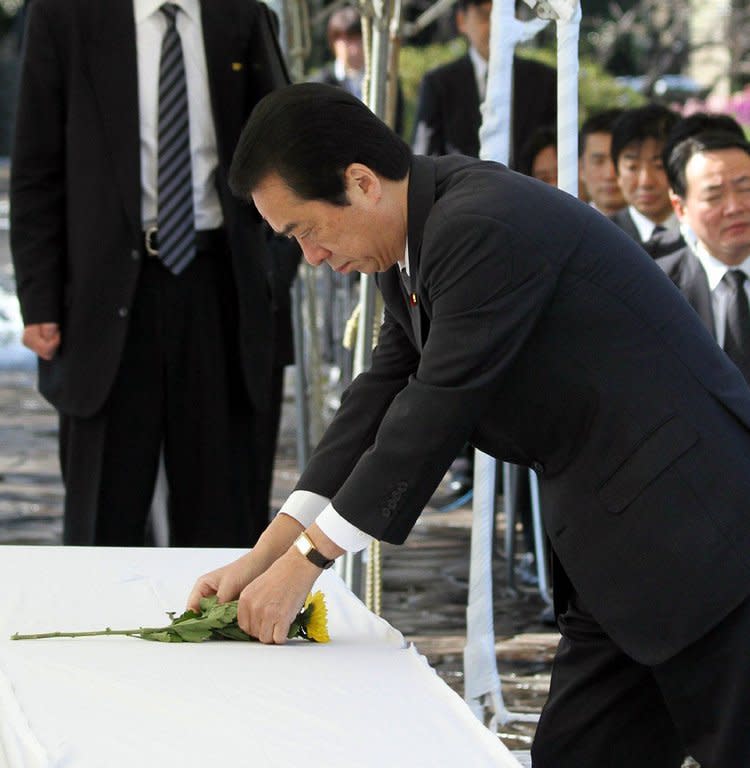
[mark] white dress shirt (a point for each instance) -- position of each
(480, 72)
(307, 507)
(720, 291)
(646, 227)
(150, 25)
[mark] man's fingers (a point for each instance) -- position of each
(42, 339)
(49, 330)
(203, 588)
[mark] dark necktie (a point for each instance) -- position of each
(737, 331)
(175, 217)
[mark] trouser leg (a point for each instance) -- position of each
(604, 709)
(211, 449)
(707, 689)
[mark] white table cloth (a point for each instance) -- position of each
(364, 699)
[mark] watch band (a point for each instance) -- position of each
(306, 547)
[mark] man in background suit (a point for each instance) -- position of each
(448, 117)
(709, 174)
(521, 320)
(145, 287)
(595, 167)
(638, 138)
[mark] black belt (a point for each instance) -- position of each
(206, 241)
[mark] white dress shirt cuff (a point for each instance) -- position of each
(341, 531)
(304, 506)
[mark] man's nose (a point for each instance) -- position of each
(646, 176)
(314, 254)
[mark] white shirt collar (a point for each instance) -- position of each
(480, 71)
(715, 269)
(403, 264)
(645, 226)
(142, 9)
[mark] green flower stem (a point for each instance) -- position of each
(108, 631)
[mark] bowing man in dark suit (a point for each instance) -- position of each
(710, 179)
(448, 117)
(535, 329)
(638, 138)
(145, 286)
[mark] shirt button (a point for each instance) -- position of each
(122, 311)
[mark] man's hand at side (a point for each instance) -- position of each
(42, 338)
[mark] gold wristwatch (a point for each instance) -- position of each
(306, 547)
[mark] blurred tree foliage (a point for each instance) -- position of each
(596, 88)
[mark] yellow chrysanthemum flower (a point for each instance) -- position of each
(317, 623)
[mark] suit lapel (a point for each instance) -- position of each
(694, 285)
(114, 77)
(421, 197)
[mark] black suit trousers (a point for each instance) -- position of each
(608, 711)
(179, 389)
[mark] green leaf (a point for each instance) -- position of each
(163, 637)
(192, 634)
(232, 632)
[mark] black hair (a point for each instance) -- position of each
(309, 133)
(344, 21)
(462, 5)
(600, 122)
(542, 137)
(699, 122)
(692, 145)
(634, 126)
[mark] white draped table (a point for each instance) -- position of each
(364, 699)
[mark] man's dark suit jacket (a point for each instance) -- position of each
(661, 244)
(684, 269)
(76, 187)
(448, 106)
(550, 340)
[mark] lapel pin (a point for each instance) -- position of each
(413, 299)
(236, 66)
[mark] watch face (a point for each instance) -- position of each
(304, 545)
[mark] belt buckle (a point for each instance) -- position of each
(149, 240)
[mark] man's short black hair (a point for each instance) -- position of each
(699, 122)
(693, 145)
(308, 134)
(599, 122)
(634, 126)
(462, 5)
(544, 136)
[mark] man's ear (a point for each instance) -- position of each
(361, 181)
(678, 205)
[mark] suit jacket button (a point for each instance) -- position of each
(122, 311)
(538, 467)
(135, 254)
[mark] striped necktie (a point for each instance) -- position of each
(737, 329)
(175, 217)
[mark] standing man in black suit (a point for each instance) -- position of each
(709, 174)
(638, 139)
(448, 117)
(145, 287)
(523, 321)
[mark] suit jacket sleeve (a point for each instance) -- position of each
(37, 187)
(486, 288)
